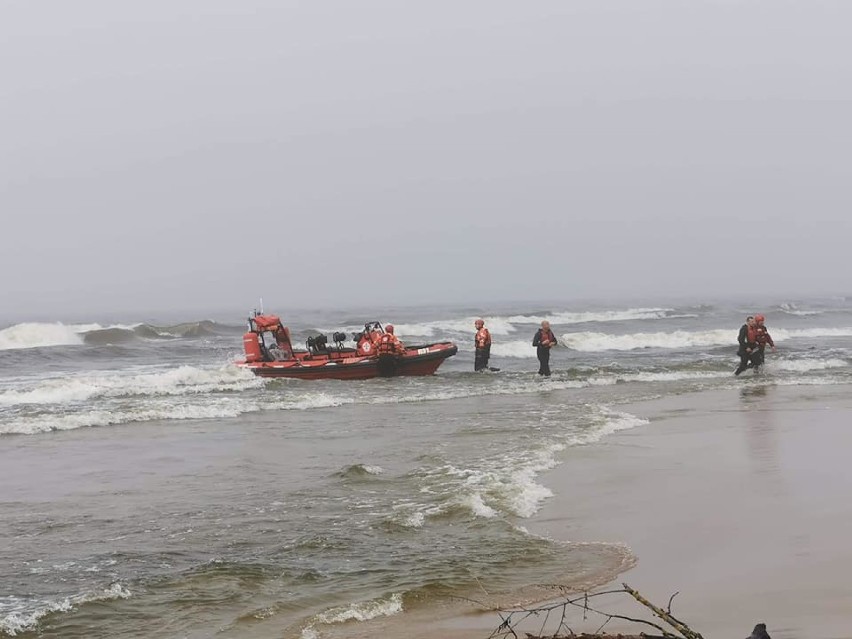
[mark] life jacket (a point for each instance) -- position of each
(751, 335)
(546, 337)
(761, 336)
(388, 344)
(483, 338)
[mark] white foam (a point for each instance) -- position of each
(21, 615)
(414, 520)
(477, 506)
(509, 483)
(527, 496)
(792, 309)
(47, 423)
(495, 325)
(672, 376)
(807, 365)
(608, 422)
(515, 348)
(780, 334)
(363, 611)
(586, 341)
(590, 342)
(37, 335)
(206, 407)
(596, 316)
(183, 380)
(372, 470)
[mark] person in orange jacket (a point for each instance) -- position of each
(761, 338)
(482, 341)
(388, 343)
(544, 340)
(390, 350)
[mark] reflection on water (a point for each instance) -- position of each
(754, 391)
(759, 412)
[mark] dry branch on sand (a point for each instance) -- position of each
(554, 620)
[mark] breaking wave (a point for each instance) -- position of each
(507, 484)
(20, 615)
(43, 334)
(359, 471)
(505, 325)
(38, 335)
(591, 341)
(362, 611)
(599, 316)
(119, 334)
(184, 380)
(807, 365)
(792, 309)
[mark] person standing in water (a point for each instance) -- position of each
(746, 340)
(544, 340)
(482, 340)
(761, 338)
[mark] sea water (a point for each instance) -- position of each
(149, 487)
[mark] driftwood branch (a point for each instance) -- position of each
(512, 619)
(678, 625)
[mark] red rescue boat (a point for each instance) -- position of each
(270, 353)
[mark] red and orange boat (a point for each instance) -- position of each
(270, 353)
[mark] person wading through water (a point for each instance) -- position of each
(544, 340)
(482, 341)
(761, 338)
(746, 340)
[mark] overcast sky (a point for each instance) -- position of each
(167, 155)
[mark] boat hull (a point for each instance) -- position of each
(417, 361)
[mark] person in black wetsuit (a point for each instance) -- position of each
(746, 340)
(544, 340)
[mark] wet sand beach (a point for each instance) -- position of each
(738, 499)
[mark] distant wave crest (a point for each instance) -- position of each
(586, 341)
(45, 334)
(38, 335)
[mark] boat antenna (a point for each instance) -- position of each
(261, 306)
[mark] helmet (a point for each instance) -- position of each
(759, 318)
(389, 328)
(479, 323)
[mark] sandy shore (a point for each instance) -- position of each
(739, 500)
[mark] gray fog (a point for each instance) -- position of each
(169, 156)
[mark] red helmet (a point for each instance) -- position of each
(759, 318)
(479, 323)
(389, 328)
